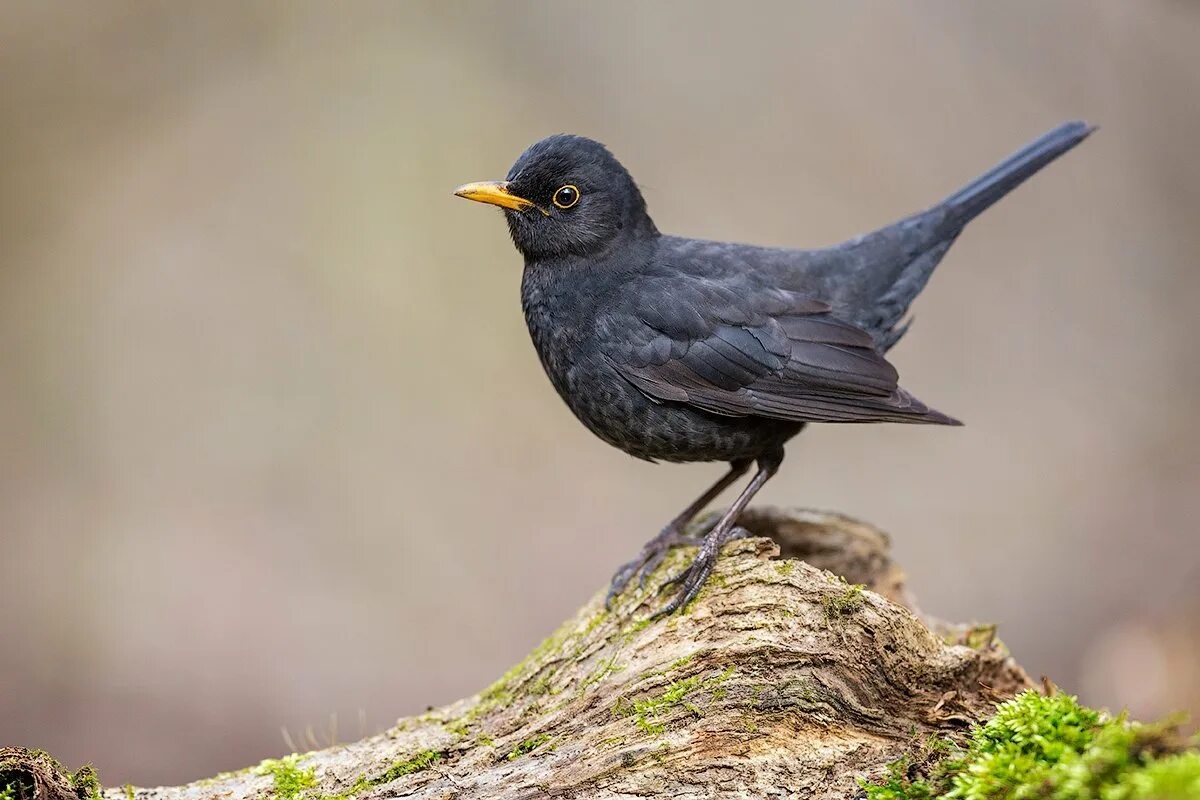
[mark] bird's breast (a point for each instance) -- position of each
(559, 326)
(571, 344)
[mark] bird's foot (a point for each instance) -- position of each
(648, 560)
(692, 579)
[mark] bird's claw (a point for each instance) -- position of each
(692, 579)
(648, 560)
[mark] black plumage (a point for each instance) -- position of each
(679, 349)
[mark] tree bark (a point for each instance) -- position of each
(803, 666)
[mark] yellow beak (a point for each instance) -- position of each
(494, 192)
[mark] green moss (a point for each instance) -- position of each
(484, 740)
(594, 621)
(17, 782)
(409, 766)
(290, 780)
(1051, 748)
(847, 601)
(418, 763)
(785, 566)
(1175, 777)
(223, 776)
(129, 793)
(897, 785)
(528, 746)
(15, 785)
(565, 643)
(86, 783)
(500, 693)
(458, 727)
(650, 713)
(682, 662)
(360, 785)
(606, 667)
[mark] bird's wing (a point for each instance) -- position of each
(786, 357)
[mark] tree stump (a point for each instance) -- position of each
(803, 666)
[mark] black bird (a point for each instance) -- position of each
(681, 350)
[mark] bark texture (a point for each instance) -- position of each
(803, 666)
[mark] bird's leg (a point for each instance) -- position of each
(692, 579)
(672, 535)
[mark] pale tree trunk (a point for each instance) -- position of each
(785, 678)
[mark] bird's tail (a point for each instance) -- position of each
(923, 239)
(974, 198)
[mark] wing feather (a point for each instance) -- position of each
(787, 358)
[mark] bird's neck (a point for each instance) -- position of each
(561, 294)
(637, 219)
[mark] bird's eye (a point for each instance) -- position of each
(566, 196)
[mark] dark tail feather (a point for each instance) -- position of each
(974, 198)
(928, 235)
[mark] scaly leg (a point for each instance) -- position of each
(672, 535)
(692, 579)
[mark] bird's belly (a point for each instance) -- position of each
(621, 415)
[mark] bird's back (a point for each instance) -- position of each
(871, 280)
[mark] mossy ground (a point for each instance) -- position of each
(1050, 748)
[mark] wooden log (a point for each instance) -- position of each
(803, 666)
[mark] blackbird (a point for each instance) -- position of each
(683, 350)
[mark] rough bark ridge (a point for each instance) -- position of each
(802, 666)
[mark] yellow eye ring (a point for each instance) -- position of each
(566, 196)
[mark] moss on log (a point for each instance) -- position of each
(804, 669)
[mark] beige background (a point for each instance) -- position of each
(274, 445)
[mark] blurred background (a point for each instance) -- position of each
(275, 448)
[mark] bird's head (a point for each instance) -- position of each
(566, 195)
